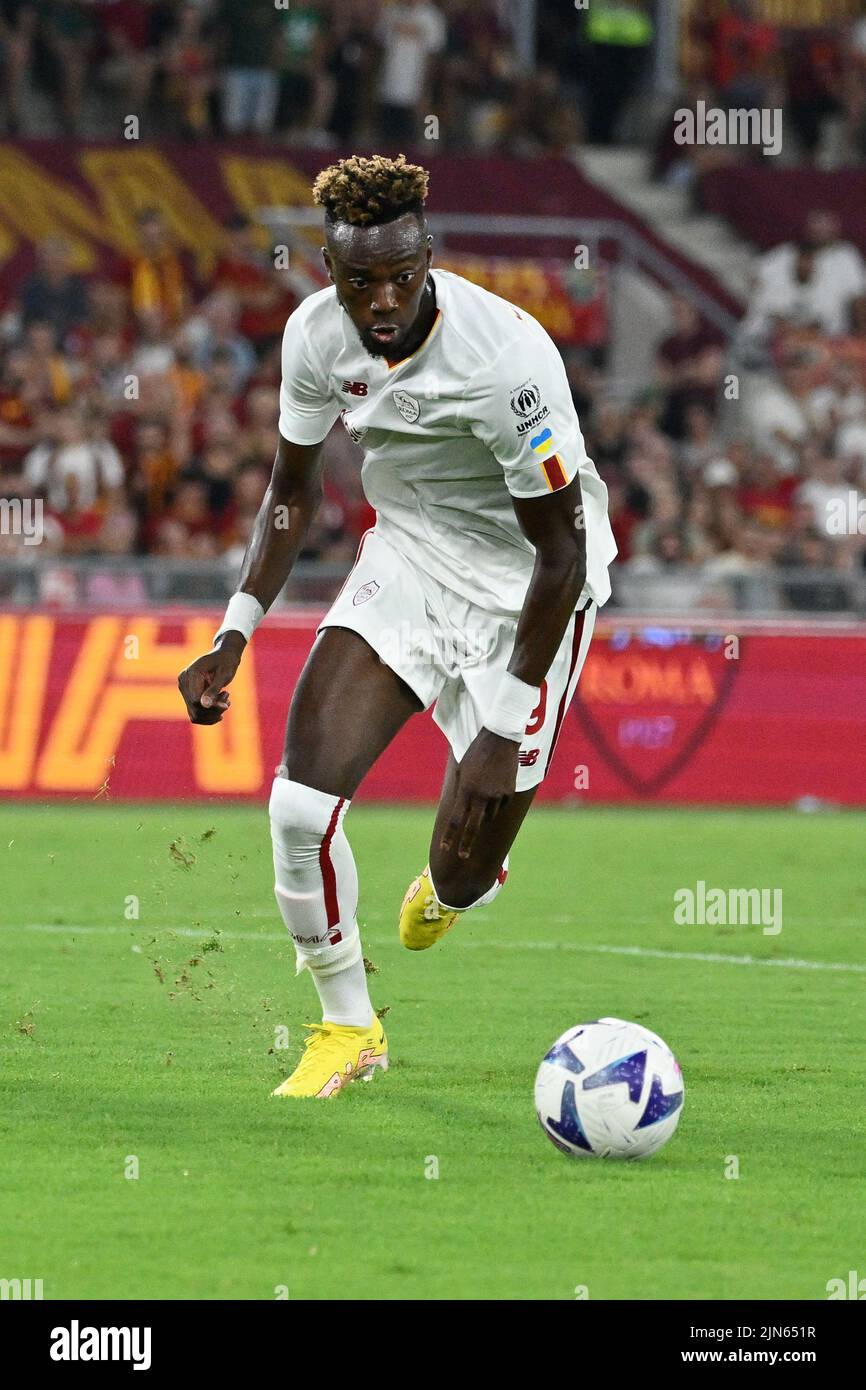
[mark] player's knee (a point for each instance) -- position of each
(298, 811)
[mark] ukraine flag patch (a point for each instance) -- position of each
(542, 442)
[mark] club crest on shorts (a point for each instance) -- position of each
(366, 591)
(407, 405)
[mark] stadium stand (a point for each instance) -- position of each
(720, 498)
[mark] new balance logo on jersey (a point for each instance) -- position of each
(354, 388)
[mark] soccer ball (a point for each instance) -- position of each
(609, 1089)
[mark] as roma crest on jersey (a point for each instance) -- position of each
(366, 591)
(649, 697)
(407, 405)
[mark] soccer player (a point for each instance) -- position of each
(474, 593)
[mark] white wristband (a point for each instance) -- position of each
(512, 708)
(243, 614)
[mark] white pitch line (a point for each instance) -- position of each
(275, 938)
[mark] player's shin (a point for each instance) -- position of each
(316, 885)
(484, 900)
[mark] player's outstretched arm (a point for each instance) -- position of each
(488, 770)
(287, 510)
(554, 525)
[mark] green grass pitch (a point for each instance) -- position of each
(157, 1039)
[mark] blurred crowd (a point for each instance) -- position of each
(737, 59)
(319, 71)
(743, 462)
(141, 407)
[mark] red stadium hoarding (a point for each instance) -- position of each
(89, 709)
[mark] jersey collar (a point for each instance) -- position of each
(434, 329)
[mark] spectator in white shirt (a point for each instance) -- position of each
(777, 413)
(73, 448)
(792, 295)
(411, 33)
(851, 444)
(821, 277)
(841, 400)
(829, 494)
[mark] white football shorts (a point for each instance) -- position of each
(453, 654)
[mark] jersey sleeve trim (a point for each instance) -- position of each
(555, 475)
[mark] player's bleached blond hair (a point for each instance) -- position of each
(364, 192)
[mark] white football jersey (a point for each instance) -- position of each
(480, 413)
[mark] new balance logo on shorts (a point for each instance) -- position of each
(528, 757)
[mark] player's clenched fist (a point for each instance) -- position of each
(202, 683)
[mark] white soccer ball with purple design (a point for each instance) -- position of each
(609, 1089)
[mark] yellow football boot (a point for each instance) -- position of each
(334, 1055)
(423, 919)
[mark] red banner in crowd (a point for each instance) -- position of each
(569, 303)
(91, 194)
(89, 709)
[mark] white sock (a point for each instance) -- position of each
(316, 885)
(344, 997)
